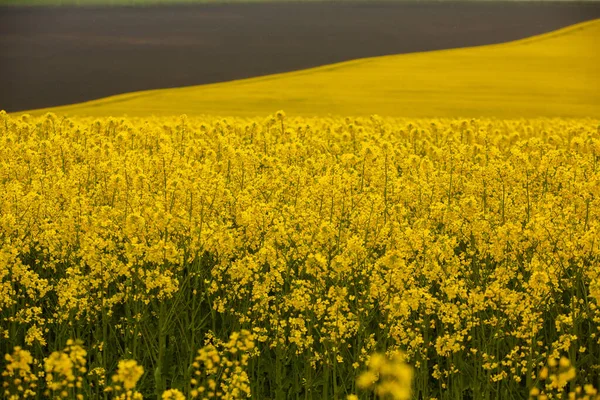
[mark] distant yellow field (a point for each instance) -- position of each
(555, 74)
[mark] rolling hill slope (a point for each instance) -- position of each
(555, 74)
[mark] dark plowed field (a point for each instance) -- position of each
(54, 56)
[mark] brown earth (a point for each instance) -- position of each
(55, 56)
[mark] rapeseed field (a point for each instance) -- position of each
(299, 258)
(550, 75)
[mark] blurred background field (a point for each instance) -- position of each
(555, 74)
(54, 56)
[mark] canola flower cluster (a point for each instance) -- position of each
(223, 368)
(389, 378)
(226, 258)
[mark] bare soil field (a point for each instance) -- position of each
(54, 56)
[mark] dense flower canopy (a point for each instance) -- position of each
(469, 245)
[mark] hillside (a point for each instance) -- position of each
(554, 74)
